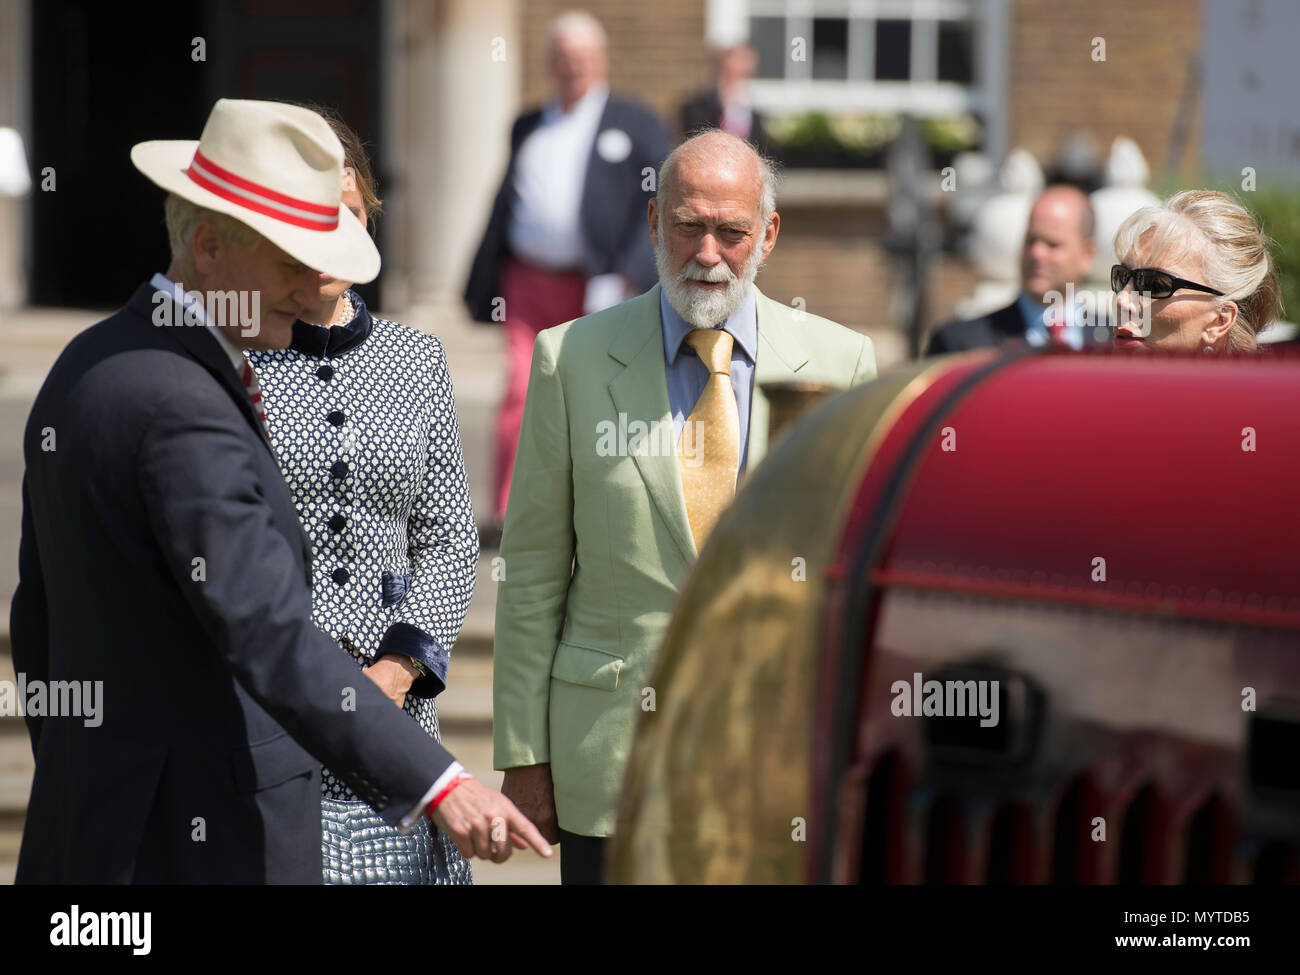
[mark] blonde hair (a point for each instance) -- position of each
(1212, 230)
(182, 216)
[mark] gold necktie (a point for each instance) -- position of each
(708, 453)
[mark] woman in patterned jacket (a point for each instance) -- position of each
(361, 413)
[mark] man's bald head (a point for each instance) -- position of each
(1064, 198)
(717, 152)
(577, 55)
(713, 222)
(1059, 246)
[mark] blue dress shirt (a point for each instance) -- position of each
(687, 375)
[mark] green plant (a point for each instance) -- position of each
(809, 130)
(952, 133)
(1278, 213)
(865, 133)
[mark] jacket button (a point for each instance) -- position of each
(325, 372)
(339, 468)
(340, 575)
(337, 523)
(336, 417)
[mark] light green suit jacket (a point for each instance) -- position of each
(596, 542)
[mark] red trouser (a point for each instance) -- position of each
(535, 299)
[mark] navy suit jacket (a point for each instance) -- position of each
(613, 216)
(161, 554)
(995, 328)
(704, 111)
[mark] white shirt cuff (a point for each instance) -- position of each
(413, 817)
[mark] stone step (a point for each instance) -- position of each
(473, 642)
(475, 637)
(473, 749)
(466, 704)
(465, 717)
(15, 746)
(16, 768)
(464, 707)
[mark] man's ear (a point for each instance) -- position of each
(1223, 322)
(206, 247)
(652, 216)
(769, 234)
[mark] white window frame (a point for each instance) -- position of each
(728, 23)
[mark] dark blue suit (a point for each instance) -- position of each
(613, 214)
(161, 554)
(1004, 325)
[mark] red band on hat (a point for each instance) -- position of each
(261, 199)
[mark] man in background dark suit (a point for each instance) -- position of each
(726, 104)
(162, 560)
(567, 233)
(1055, 259)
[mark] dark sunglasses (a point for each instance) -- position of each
(1152, 281)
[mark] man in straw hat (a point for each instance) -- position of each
(163, 572)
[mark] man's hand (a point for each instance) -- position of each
(394, 674)
(530, 788)
(484, 823)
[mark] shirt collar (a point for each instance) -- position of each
(1031, 311)
(593, 102)
(193, 305)
(1034, 312)
(743, 326)
(328, 341)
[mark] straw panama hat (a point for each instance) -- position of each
(277, 168)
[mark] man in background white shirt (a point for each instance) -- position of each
(567, 233)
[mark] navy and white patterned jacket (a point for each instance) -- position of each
(363, 419)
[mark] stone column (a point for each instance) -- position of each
(14, 82)
(453, 84)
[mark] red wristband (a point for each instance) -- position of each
(446, 791)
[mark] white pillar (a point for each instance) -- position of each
(14, 87)
(453, 92)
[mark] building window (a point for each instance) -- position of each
(930, 58)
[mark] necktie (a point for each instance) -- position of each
(708, 453)
(254, 390)
(1057, 331)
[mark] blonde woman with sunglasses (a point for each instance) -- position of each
(1195, 273)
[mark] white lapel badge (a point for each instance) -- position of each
(613, 145)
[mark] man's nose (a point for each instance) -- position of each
(707, 253)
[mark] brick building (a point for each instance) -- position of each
(440, 82)
(1035, 70)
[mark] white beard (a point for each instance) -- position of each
(700, 308)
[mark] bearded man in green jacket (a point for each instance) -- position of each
(637, 424)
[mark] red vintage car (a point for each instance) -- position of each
(996, 618)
